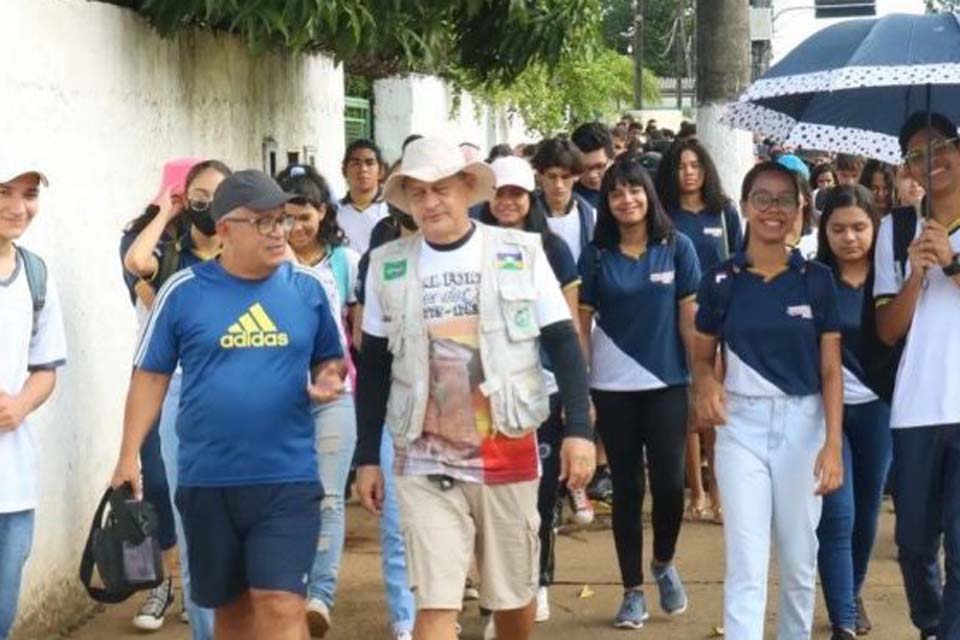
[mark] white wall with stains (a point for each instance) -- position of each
(103, 100)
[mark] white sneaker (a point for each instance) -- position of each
(318, 618)
(582, 507)
(490, 629)
(470, 591)
(402, 635)
(543, 605)
(151, 614)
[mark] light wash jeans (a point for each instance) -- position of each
(16, 538)
(393, 556)
(201, 620)
(765, 458)
(336, 425)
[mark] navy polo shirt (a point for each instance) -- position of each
(770, 328)
(717, 235)
(636, 342)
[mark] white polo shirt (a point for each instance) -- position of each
(927, 391)
(21, 352)
(358, 225)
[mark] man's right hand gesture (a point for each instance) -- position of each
(370, 488)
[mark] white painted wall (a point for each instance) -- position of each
(425, 104)
(104, 101)
(795, 20)
(731, 149)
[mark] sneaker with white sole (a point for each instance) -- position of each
(470, 591)
(402, 635)
(673, 597)
(582, 507)
(543, 605)
(318, 618)
(633, 611)
(490, 629)
(151, 614)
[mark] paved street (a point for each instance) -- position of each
(585, 558)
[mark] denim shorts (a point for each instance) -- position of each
(260, 537)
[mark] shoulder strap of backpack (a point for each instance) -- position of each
(341, 272)
(904, 230)
(169, 262)
(35, 270)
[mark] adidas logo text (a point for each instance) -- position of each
(254, 330)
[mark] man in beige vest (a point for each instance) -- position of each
(454, 323)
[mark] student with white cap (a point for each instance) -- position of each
(454, 320)
(33, 346)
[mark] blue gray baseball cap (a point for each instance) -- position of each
(250, 189)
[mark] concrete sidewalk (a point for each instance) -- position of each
(583, 601)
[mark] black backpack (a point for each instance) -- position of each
(124, 550)
(881, 362)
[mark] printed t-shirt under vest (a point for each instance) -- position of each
(22, 351)
(770, 329)
(927, 390)
(246, 348)
(636, 345)
(458, 439)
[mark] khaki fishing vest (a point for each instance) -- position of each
(508, 341)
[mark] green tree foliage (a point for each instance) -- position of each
(659, 32)
(497, 39)
(585, 85)
(942, 6)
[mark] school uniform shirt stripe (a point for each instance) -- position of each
(619, 371)
(175, 281)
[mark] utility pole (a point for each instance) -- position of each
(679, 38)
(638, 54)
(723, 73)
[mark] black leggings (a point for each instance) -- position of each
(550, 438)
(632, 423)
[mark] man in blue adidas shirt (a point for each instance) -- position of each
(257, 344)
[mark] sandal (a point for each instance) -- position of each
(695, 512)
(717, 516)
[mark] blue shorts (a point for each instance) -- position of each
(249, 537)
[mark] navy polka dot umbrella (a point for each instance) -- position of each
(850, 87)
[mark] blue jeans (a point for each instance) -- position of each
(156, 491)
(336, 425)
(926, 494)
(201, 620)
(393, 556)
(16, 537)
(848, 525)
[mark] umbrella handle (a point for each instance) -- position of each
(927, 207)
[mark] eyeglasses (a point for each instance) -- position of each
(764, 201)
(918, 157)
(266, 224)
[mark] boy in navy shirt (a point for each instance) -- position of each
(257, 343)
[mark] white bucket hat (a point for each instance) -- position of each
(432, 160)
(12, 168)
(511, 171)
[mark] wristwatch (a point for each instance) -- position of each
(953, 269)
